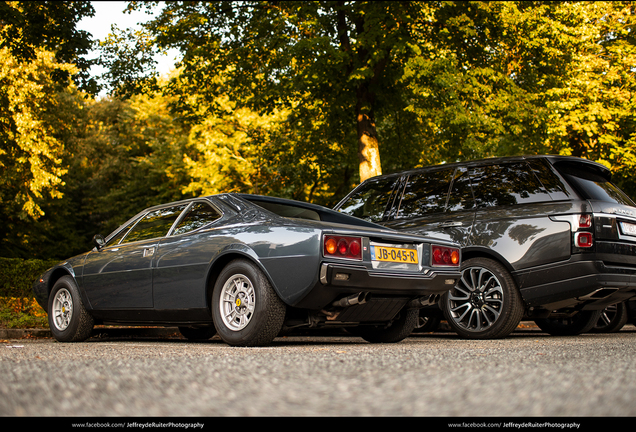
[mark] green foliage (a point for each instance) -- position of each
(18, 275)
(292, 99)
(29, 26)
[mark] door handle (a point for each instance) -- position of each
(149, 251)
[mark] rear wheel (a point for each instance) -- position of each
(576, 324)
(245, 308)
(426, 324)
(197, 333)
(68, 319)
(395, 331)
(485, 303)
(612, 319)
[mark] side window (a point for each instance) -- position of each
(370, 201)
(506, 184)
(461, 195)
(425, 193)
(549, 179)
(155, 224)
(117, 238)
(199, 215)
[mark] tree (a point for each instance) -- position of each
(26, 26)
(343, 59)
(37, 120)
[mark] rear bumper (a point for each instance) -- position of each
(336, 280)
(432, 282)
(583, 283)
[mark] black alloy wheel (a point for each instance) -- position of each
(579, 322)
(485, 302)
(392, 332)
(612, 319)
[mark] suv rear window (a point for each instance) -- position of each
(592, 185)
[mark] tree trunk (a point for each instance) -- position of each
(368, 144)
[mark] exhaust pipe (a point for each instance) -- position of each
(355, 299)
(421, 302)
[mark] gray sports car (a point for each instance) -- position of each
(249, 267)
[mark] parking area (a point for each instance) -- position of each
(438, 374)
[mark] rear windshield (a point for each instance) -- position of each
(594, 186)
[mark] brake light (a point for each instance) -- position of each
(585, 221)
(343, 247)
(444, 256)
(583, 239)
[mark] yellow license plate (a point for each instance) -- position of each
(391, 254)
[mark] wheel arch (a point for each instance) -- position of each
(481, 252)
(227, 256)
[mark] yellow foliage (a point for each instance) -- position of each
(32, 108)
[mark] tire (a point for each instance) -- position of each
(485, 302)
(245, 308)
(580, 322)
(426, 324)
(197, 333)
(68, 319)
(612, 319)
(395, 331)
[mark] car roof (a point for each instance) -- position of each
(554, 159)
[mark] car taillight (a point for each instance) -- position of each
(444, 256)
(343, 247)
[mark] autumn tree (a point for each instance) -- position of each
(338, 61)
(29, 26)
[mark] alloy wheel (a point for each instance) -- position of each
(62, 309)
(476, 302)
(237, 302)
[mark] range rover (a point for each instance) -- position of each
(544, 238)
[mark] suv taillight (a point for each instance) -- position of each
(585, 221)
(343, 247)
(582, 237)
(444, 256)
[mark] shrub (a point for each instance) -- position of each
(18, 308)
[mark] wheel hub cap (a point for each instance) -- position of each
(62, 309)
(237, 302)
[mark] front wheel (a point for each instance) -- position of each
(68, 319)
(485, 303)
(395, 331)
(576, 324)
(245, 308)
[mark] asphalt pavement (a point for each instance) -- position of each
(527, 375)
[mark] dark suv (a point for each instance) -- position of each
(544, 238)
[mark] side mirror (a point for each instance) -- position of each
(99, 241)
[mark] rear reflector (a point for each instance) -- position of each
(444, 256)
